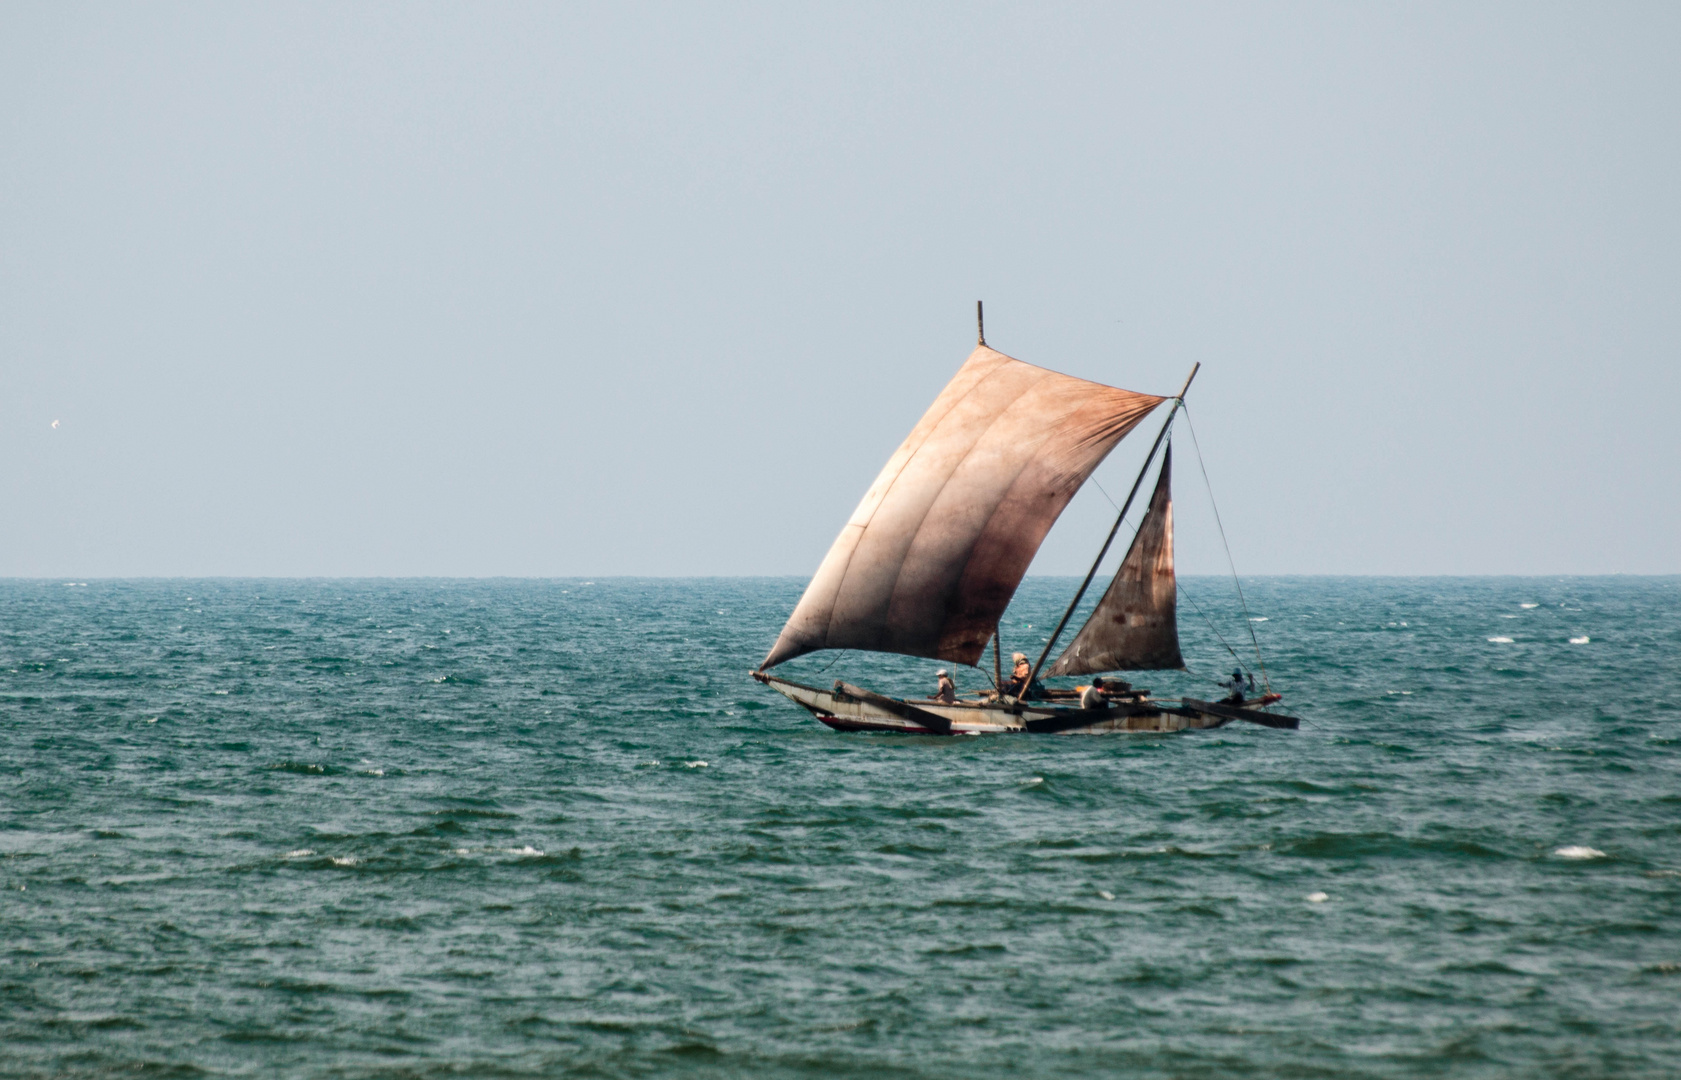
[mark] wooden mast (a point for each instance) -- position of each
(980, 325)
(1178, 400)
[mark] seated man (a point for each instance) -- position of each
(948, 689)
(1016, 685)
(1235, 685)
(1092, 697)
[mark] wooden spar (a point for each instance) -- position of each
(980, 325)
(1178, 400)
(904, 710)
(997, 662)
(1239, 712)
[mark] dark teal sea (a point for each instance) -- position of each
(550, 828)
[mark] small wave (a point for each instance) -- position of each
(300, 853)
(1578, 641)
(694, 765)
(1317, 897)
(526, 850)
(1500, 640)
(1528, 606)
(1033, 781)
(304, 768)
(1577, 851)
(1259, 618)
(1106, 894)
(348, 860)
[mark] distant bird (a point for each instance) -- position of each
(55, 425)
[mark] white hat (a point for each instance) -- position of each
(942, 671)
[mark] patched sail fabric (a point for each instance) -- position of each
(1135, 626)
(929, 560)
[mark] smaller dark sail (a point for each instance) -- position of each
(1135, 626)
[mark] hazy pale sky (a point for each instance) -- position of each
(619, 289)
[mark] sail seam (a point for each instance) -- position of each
(840, 588)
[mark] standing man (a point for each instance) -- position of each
(1235, 685)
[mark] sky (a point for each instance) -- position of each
(656, 289)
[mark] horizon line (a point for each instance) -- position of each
(60, 578)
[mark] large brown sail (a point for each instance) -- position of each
(929, 560)
(1135, 626)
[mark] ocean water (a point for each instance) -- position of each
(550, 828)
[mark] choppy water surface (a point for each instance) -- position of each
(551, 828)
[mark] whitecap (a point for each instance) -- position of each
(300, 853)
(373, 772)
(1578, 641)
(1500, 640)
(1317, 897)
(1528, 606)
(346, 861)
(694, 764)
(152, 720)
(1577, 851)
(1033, 781)
(1261, 618)
(460, 851)
(526, 850)
(1106, 894)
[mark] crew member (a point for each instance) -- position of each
(1092, 696)
(948, 689)
(1019, 671)
(1235, 685)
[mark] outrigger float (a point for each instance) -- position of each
(932, 556)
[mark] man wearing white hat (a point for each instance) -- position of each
(948, 689)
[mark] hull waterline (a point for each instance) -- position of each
(850, 708)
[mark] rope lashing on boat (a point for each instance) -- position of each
(1247, 621)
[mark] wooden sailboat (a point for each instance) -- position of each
(933, 554)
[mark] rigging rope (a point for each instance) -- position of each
(1247, 621)
(1215, 629)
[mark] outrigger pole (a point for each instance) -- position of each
(1178, 400)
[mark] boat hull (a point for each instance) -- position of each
(848, 708)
